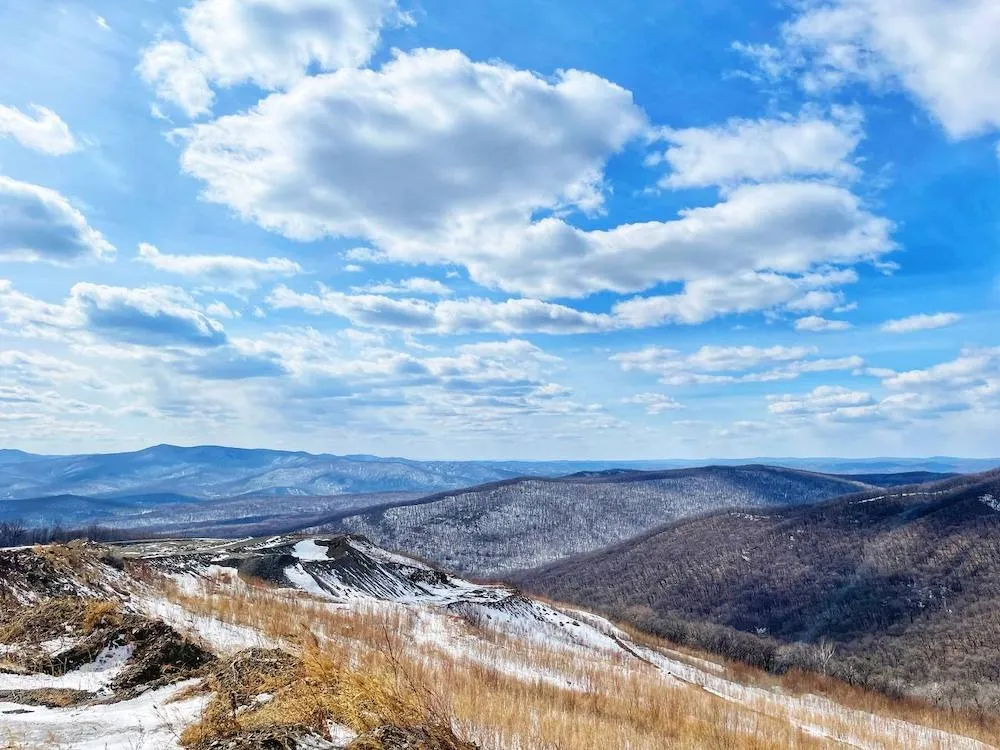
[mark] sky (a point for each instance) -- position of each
(501, 229)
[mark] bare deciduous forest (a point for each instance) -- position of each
(527, 522)
(896, 590)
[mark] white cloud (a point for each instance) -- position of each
(429, 145)
(366, 255)
(45, 132)
(416, 285)
(446, 316)
(39, 224)
(763, 150)
(817, 301)
(221, 310)
(654, 403)
(435, 159)
(232, 272)
(943, 52)
(715, 365)
(175, 71)
(705, 298)
(837, 404)
(824, 399)
(461, 187)
(817, 324)
(920, 322)
(37, 368)
(271, 43)
(658, 360)
(973, 368)
(149, 316)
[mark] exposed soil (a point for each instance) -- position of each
(409, 738)
(274, 738)
(48, 697)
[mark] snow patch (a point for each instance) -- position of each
(305, 582)
(308, 549)
(91, 678)
(146, 723)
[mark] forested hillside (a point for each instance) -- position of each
(527, 522)
(896, 589)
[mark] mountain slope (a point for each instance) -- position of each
(216, 472)
(896, 588)
(526, 522)
(331, 642)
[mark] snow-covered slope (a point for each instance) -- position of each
(524, 523)
(491, 629)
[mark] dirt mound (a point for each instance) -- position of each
(76, 570)
(58, 635)
(409, 738)
(48, 697)
(253, 672)
(270, 696)
(62, 635)
(161, 656)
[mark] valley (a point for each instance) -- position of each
(743, 606)
(895, 589)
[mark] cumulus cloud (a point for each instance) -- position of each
(972, 369)
(817, 301)
(174, 69)
(654, 403)
(942, 52)
(712, 365)
(920, 322)
(429, 144)
(817, 324)
(829, 403)
(710, 358)
(462, 187)
(446, 316)
(434, 158)
(823, 399)
(45, 131)
(416, 285)
(149, 316)
(231, 272)
(39, 224)
(705, 298)
(270, 43)
(836, 404)
(236, 362)
(764, 150)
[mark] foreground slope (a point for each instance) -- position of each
(526, 522)
(331, 642)
(898, 589)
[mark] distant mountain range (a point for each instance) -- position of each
(215, 472)
(233, 490)
(896, 589)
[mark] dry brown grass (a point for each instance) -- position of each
(980, 726)
(575, 701)
(309, 692)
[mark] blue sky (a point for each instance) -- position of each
(501, 230)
